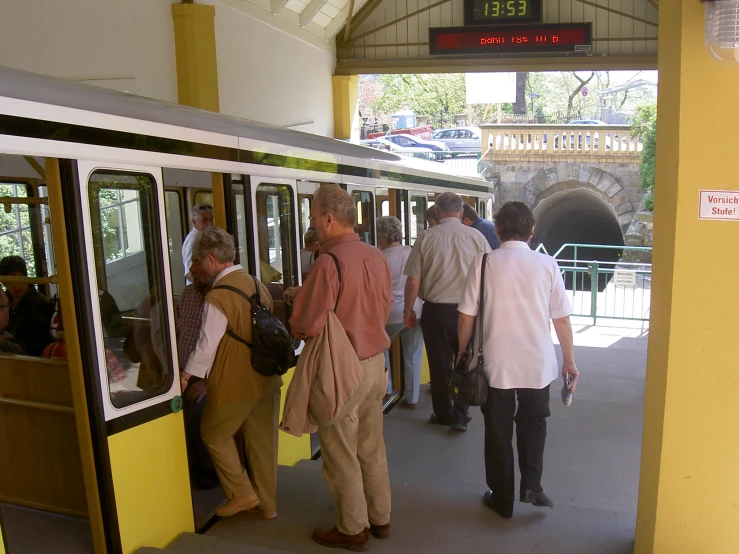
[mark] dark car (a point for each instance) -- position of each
(409, 141)
(460, 139)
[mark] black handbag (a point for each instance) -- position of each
(470, 385)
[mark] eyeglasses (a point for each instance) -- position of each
(312, 219)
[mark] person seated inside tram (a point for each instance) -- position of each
(25, 313)
(310, 251)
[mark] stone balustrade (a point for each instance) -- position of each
(566, 141)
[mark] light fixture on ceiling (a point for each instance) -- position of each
(722, 29)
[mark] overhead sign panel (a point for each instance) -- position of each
(491, 88)
(511, 39)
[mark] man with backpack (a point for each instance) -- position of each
(353, 280)
(240, 399)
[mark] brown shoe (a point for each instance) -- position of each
(236, 505)
(257, 511)
(380, 531)
(332, 537)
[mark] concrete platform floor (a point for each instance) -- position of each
(437, 475)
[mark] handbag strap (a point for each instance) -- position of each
(482, 298)
(338, 271)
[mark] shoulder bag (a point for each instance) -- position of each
(470, 385)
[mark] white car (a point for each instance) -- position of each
(414, 151)
(460, 139)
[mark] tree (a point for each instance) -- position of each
(645, 125)
(519, 107)
(438, 96)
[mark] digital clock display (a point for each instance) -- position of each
(490, 12)
(512, 39)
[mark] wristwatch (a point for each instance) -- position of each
(408, 313)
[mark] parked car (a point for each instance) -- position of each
(414, 151)
(460, 139)
(409, 141)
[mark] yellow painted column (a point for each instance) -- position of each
(195, 49)
(346, 92)
(689, 490)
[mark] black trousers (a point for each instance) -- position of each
(439, 328)
(197, 454)
(499, 413)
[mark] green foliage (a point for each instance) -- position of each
(439, 96)
(645, 125)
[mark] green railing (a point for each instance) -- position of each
(602, 289)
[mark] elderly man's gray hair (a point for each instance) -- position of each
(449, 204)
(334, 199)
(389, 226)
(214, 241)
(198, 208)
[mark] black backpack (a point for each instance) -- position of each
(272, 346)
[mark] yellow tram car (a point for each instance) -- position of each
(96, 188)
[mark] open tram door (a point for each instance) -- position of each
(127, 342)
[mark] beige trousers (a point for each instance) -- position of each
(257, 421)
(353, 454)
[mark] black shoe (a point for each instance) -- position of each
(489, 500)
(537, 499)
(436, 421)
(206, 481)
(459, 426)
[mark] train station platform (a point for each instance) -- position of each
(438, 478)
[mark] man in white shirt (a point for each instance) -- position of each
(436, 270)
(201, 216)
(523, 291)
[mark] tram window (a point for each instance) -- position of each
(276, 232)
(365, 226)
(490, 209)
(241, 228)
(304, 216)
(203, 197)
(385, 208)
(130, 277)
(173, 211)
(418, 223)
(15, 227)
(48, 238)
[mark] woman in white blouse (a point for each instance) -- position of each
(389, 235)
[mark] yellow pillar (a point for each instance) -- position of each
(195, 49)
(346, 91)
(689, 473)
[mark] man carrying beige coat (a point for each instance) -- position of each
(352, 445)
(239, 398)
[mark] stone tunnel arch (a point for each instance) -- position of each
(574, 212)
(578, 203)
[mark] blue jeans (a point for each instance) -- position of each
(411, 341)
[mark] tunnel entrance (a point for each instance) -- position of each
(578, 215)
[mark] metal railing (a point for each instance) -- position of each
(468, 161)
(603, 289)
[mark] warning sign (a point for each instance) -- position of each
(624, 278)
(719, 204)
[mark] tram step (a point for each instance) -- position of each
(191, 543)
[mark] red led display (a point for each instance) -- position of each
(510, 39)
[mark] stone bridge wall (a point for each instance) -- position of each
(615, 182)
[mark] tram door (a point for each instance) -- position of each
(364, 200)
(417, 207)
(131, 355)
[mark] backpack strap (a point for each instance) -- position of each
(251, 300)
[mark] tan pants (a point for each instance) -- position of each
(257, 421)
(353, 454)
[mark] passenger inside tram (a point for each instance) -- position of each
(25, 313)
(310, 251)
